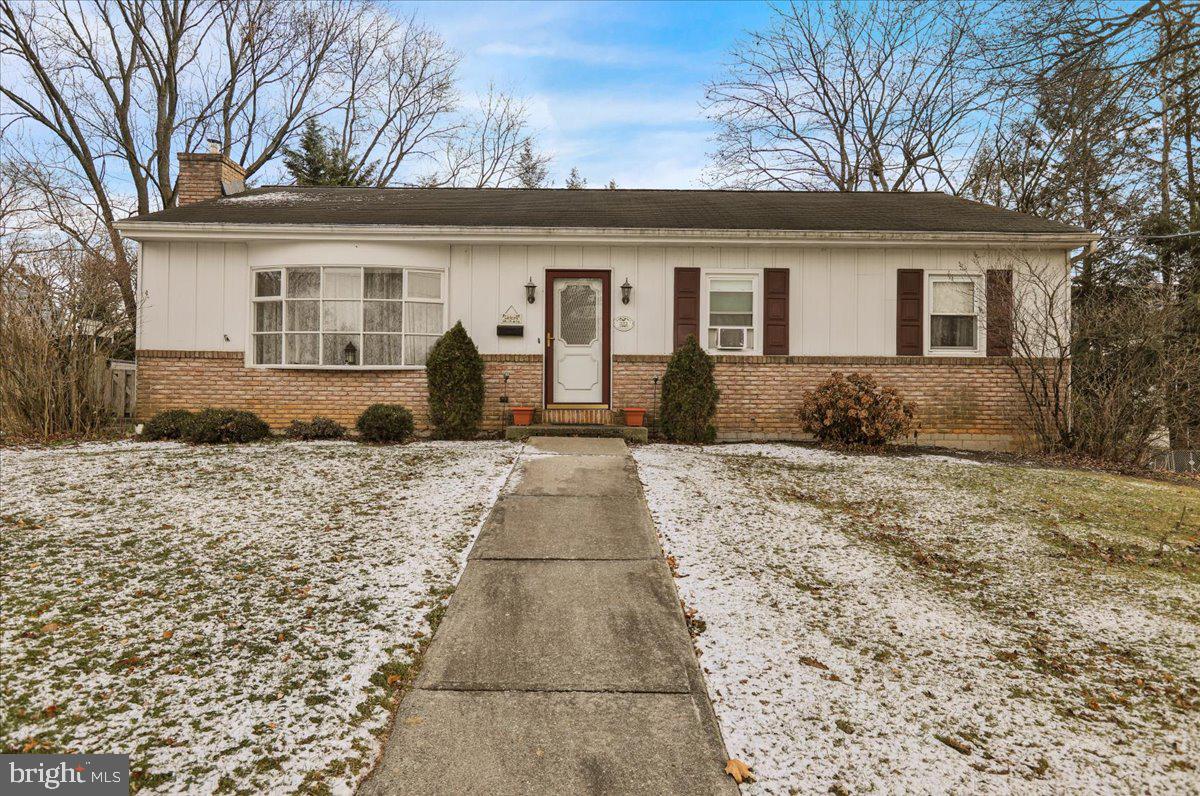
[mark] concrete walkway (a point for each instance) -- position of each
(563, 664)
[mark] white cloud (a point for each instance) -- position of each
(581, 52)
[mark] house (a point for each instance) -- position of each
(293, 302)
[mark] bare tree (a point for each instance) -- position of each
(400, 99)
(878, 96)
(119, 86)
(60, 317)
(485, 151)
(1076, 156)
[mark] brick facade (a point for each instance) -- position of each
(197, 379)
(201, 173)
(968, 402)
(961, 402)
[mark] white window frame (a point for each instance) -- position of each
(283, 365)
(980, 317)
(755, 277)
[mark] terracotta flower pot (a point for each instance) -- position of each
(635, 416)
(522, 415)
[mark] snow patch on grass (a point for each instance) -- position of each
(911, 624)
(226, 615)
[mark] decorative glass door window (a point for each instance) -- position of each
(731, 313)
(953, 316)
(346, 316)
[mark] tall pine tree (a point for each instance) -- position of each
(321, 160)
(574, 181)
(531, 167)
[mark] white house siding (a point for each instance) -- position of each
(195, 294)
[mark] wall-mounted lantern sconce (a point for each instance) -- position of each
(626, 289)
(530, 290)
(350, 354)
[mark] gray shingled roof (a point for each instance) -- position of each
(609, 209)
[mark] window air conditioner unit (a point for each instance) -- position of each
(731, 339)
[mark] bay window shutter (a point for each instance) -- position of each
(910, 318)
(999, 312)
(687, 305)
(775, 311)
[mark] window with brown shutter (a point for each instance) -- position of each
(910, 320)
(775, 311)
(999, 312)
(687, 304)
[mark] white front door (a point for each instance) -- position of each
(578, 342)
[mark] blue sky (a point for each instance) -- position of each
(613, 88)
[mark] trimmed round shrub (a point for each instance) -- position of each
(385, 423)
(454, 371)
(689, 395)
(215, 426)
(317, 428)
(854, 410)
(166, 425)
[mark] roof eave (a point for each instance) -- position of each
(160, 230)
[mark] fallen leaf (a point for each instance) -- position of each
(961, 747)
(50, 627)
(739, 771)
(168, 633)
(413, 721)
(813, 662)
(394, 678)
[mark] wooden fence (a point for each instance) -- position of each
(120, 388)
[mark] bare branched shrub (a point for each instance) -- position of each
(1041, 349)
(59, 322)
(1101, 379)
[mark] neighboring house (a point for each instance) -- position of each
(294, 301)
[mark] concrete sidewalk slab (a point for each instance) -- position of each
(451, 742)
(580, 446)
(567, 527)
(580, 475)
(564, 663)
(562, 626)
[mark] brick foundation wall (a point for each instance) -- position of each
(197, 379)
(961, 402)
(969, 402)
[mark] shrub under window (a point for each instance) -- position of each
(166, 425)
(317, 428)
(854, 410)
(455, 375)
(215, 426)
(385, 423)
(689, 395)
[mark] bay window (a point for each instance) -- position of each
(346, 316)
(731, 315)
(953, 313)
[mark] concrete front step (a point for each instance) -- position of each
(627, 433)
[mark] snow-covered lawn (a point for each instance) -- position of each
(927, 624)
(227, 615)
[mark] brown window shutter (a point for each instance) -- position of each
(775, 311)
(687, 305)
(999, 312)
(910, 317)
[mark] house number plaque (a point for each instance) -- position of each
(623, 323)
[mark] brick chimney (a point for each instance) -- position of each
(207, 175)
